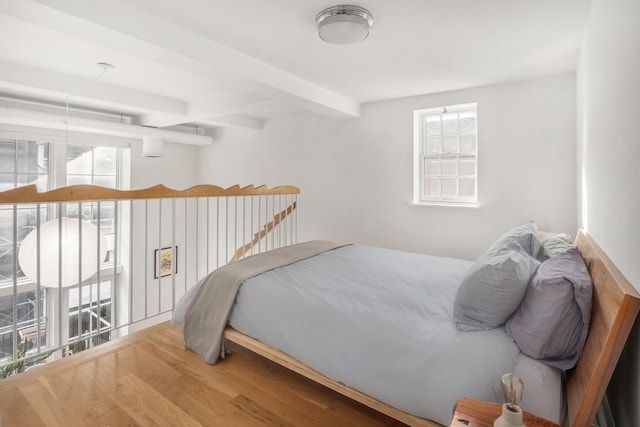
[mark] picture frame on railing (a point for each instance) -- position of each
(166, 261)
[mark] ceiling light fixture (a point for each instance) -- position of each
(152, 146)
(344, 24)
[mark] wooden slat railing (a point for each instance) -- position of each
(30, 193)
(207, 233)
(241, 251)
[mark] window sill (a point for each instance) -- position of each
(446, 205)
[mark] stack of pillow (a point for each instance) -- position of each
(539, 289)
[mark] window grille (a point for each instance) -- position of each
(446, 155)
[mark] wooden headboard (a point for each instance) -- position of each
(615, 306)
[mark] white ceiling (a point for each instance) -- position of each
(241, 62)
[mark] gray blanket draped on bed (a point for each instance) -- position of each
(207, 317)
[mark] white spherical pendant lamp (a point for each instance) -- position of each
(61, 243)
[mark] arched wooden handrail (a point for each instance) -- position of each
(30, 193)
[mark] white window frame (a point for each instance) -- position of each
(57, 177)
(419, 156)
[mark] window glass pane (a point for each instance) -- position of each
(432, 125)
(468, 143)
(32, 166)
(105, 181)
(90, 213)
(26, 319)
(105, 160)
(450, 144)
(468, 122)
(87, 210)
(6, 245)
(467, 166)
(26, 222)
(432, 167)
(7, 181)
(449, 167)
(89, 294)
(39, 180)
(449, 187)
(432, 187)
(78, 180)
(107, 217)
(33, 156)
(6, 263)
(7, 155)
(450, 124)
(86, 313)
(467, 187)
(79, 160)
(433, 145)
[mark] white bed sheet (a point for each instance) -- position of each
(381, 321)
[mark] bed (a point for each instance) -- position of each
(413, 363)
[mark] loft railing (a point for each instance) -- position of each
(258, 237)
(159, 242)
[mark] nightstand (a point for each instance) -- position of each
(482, 414)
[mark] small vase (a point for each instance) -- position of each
(511, 416)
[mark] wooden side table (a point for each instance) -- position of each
(475, 413)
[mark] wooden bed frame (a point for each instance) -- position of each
(615, 306)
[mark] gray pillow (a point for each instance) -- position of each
(493, 288)
(526, 235)
(552, 322)
(554, 245)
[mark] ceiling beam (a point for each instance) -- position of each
(219, 105)
(119, 25)
(235, 120)
(21, 117)
(39, 82)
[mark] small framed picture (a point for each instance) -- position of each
(166, 260)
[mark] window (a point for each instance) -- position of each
(21, 163)
(446, 155)
(52, 165)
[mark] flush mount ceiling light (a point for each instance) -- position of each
(344, 24)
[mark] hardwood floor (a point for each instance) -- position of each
(149, 378)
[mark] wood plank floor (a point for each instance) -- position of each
(149, 378)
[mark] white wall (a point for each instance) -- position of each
(175, 169)
(609, 147)
(356, 175)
